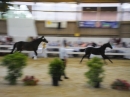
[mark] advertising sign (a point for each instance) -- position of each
(98, 24)
(105, 24)
(89, 24)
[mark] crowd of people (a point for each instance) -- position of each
(115, 42)
(6, 40)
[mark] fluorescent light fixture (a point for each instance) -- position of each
(23, 3)
(126, 6)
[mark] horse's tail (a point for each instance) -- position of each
(14, 46)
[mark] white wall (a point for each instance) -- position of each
(21, 27)
(74, 7)
(63, 6)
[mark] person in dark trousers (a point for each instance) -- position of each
(63, 56)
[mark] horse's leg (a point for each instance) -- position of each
(35, 57)
(16, 50)
(89, 56)
(83, 57)
(103, 56)
(19, 50)
(108, 58)
(14, 46)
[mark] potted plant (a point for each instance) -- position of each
(120, 85)
(56, 69)
(95, 73)
(30, 80)
(14, 63)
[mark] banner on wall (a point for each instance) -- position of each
(89, 24)
(106, 24)
(98, 24)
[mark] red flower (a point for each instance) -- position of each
(30, 80)
(31, 77)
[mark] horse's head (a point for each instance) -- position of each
(44, 39)
(109, 45)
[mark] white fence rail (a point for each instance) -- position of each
(125, 50)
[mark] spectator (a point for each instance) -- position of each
(30, 39)
(79, 42)
(63, 56)
(64, 41)
(124, 44)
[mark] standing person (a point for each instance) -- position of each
(64, 41)
(63, 56)
(79, 41)
(29, 39)
(44, 50)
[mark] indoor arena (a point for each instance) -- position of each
(65, 48)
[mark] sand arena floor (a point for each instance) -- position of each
(76, 86)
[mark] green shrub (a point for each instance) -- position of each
(14, 63)
(95, 73)
(56, 67)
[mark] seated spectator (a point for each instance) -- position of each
(70, 44)
(94, 44)
(29, 39)
(128, 45)
(100, 44)
(79, 41)
(124, 44)
(83, 44)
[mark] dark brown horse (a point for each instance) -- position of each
(29, 46)
(97, 51)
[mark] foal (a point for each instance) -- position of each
(97, 51)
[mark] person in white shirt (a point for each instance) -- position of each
(63, 56)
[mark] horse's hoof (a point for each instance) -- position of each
(60, 80)
(66, 77)
(35, 58)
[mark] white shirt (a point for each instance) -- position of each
(63, 53)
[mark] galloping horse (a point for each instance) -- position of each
(97, 51)
(29, 46)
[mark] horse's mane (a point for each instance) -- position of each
(104, 44)
(34, 40)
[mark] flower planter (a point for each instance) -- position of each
(95, 74)
(14, 63)
(30, 81)
(56, 68)
(97, 85)
(120, 85)
(55, 81)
